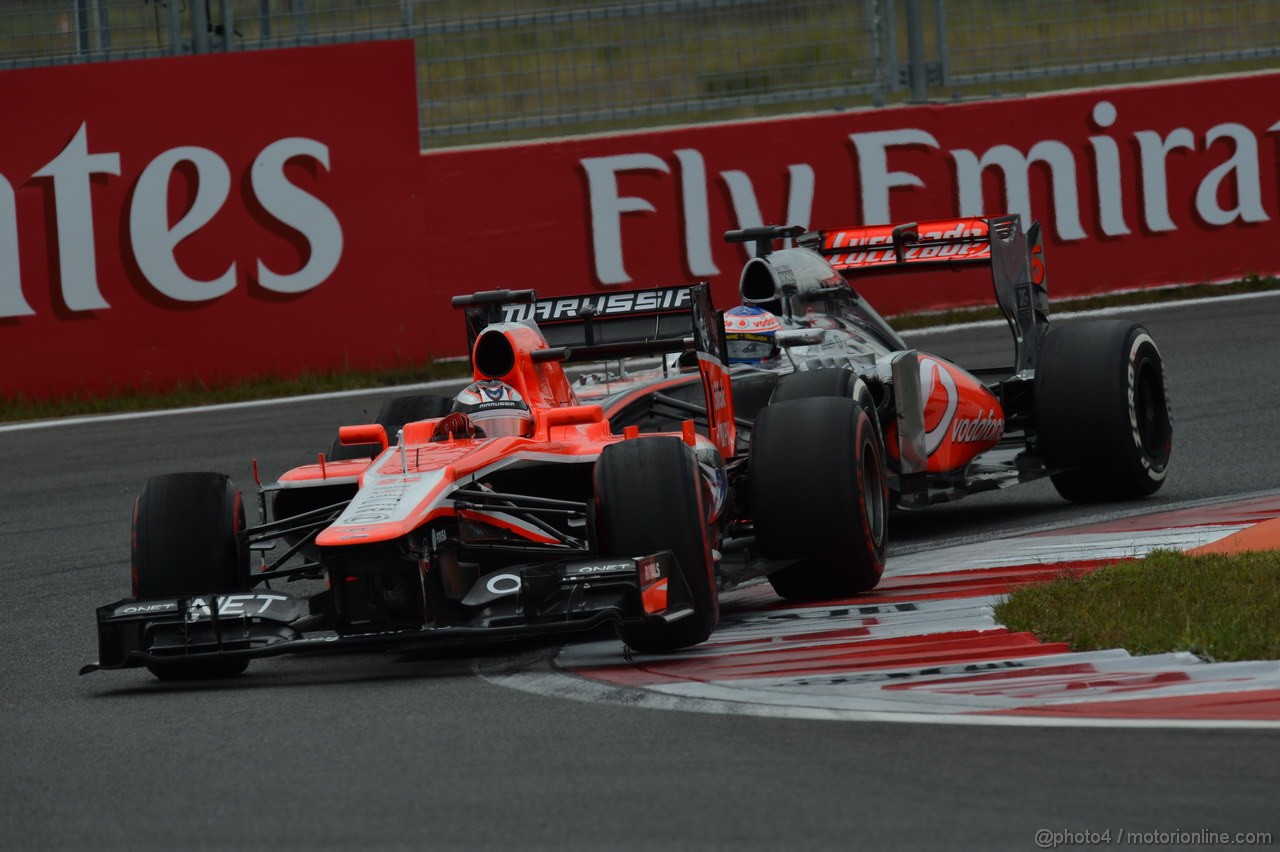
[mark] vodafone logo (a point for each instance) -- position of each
(942, 402)
(938, 390)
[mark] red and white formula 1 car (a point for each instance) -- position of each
(514, 509)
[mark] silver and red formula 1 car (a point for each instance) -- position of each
(515, 509)
(1084, 403)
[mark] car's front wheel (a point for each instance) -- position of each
(649, 498)
(819, 495)
(188, 539)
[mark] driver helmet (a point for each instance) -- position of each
(496, 408)
(750, 334)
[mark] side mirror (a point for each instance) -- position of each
(789, 337)
(369, 433)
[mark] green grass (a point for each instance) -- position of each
(1219, 607)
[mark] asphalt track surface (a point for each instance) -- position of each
(394, 751)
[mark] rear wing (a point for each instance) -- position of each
(621, 324)
(1016, 259)
(895, 247)
(616, 324)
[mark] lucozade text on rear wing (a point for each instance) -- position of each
(1016, 258)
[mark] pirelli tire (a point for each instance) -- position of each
(649, 498)
(805, 384)
(1102, 411)
(392, 416)
(188, 538)
(820, 497)
(827, 381)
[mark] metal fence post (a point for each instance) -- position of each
(199, 26)
(82, 26)
(227, 11)
(875, 46)
(940, 28)
(102, 26)
(889, 15)
(915, 49)
(175, 29)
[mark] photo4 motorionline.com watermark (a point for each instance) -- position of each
(1051, 839)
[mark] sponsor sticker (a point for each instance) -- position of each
(605, 304)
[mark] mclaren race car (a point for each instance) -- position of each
(514, 509)
(1084, 403)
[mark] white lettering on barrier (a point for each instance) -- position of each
(1106, 155)
(1015, 168)
(152, 239)
(299, 210)
(71, 171)
(12, 302)
(746, 207)
(697, 219)
(873, 168)
(1237, 179)
(1245, 186)
(607, 207)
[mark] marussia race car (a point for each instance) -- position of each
(639, 492)
(454, 525)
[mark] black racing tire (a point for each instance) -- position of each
(188, 538)
(806, 384)
(1102, 411)
(392, 416)
(827, 381)
(649, 498)
(819, 495)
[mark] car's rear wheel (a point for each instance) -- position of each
(1102, 411)
(189, 539)
(820, 496)
(392, 416)
(827, 381)
(649, 498)
(806, 384)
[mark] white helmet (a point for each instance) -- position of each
(496, 408)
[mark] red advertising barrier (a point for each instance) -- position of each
(228, 215)
(1135, 186)
(210, 217)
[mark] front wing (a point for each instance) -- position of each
(520, 601)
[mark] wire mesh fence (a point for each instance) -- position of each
(495, 70)
(1011, 42)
